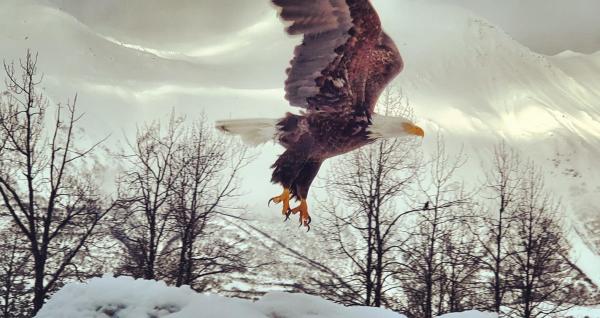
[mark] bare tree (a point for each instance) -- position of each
(540, 275)
(147, 183)
(55, 205)
(502, 191)
(179, 184)
(460, 287)
(522, 242)
(15, 266)
(424, 255)
(201, 196)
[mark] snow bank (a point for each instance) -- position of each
(470, 314)
(583, 312)
(125, 297)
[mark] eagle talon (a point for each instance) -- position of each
(306, 223)
(304, 218)
(285, 199)
(287, 215)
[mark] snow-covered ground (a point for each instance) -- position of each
(582, 312)
(463, 76)
(125, 297)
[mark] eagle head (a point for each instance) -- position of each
(393, 127)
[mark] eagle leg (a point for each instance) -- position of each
(285, 199)
(303, 210)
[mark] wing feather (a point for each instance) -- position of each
(323, 72)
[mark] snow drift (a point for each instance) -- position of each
(125, 297)
(463, 76)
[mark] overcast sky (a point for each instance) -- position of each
(546, 26)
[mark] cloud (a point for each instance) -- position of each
(199, 27)
(181, 25)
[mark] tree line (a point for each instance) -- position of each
(398, 229)
(160, 221)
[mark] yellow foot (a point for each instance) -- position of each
(285, 199)
(303, 210)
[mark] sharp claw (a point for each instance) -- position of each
(269, 203)
(305, 222)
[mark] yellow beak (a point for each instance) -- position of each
(412, 129)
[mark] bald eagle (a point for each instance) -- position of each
(337, 73)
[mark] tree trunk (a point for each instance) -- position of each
(369, 264)
(39, 294)
(498, 260)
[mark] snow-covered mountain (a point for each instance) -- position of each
(470, 80)
(463, 77)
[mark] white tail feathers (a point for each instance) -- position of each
(253, 131)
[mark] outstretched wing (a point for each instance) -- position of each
(330, 67)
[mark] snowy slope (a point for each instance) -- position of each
(125, 297)
(120, 85)
(77, 51)
(584, 68)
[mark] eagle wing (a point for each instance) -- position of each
(331, 66)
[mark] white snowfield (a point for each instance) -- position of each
(125, 297)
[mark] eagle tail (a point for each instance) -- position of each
(254, 131)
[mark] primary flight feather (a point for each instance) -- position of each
(337, 73)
